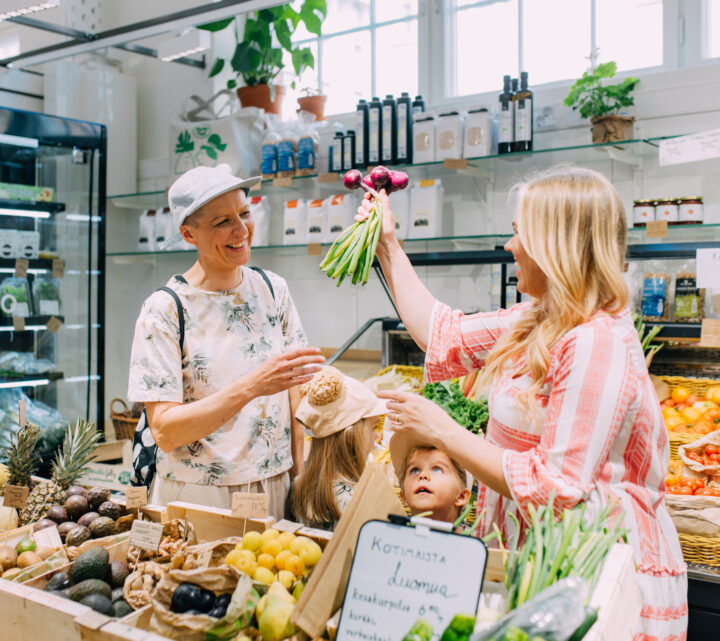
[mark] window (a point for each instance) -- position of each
(712, 35)
(553, 40)
(376, 56)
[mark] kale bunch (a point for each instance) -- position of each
(472, 415)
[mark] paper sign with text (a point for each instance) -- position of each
(710, 332)
(58, 268)
(54, 324)
(146, 535)
(15, 496)
(18, 323)
(328, 178)
(250, 505)
(400, 574)
(48, 537)
(656, 229)
(455, 163)
(21, 267)
(136, 497)
(701, 146)
(708, 268)
(282, 182)
(287, 526)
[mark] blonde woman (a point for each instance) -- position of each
(341, 413)
(572, 410)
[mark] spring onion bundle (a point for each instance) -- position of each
(352, 254)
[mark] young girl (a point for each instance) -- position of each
(341, 413)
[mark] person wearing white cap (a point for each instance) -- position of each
(218, 387)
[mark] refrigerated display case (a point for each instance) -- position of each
(52, 260)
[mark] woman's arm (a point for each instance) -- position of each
(176, 424)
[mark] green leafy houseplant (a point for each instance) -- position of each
(258, 55)
(601, 102)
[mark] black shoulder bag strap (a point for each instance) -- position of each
(266, 279)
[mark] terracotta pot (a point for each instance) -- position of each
(313, 104)
(612, 128)
(259, 96)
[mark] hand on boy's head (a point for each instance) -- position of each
(417, 415)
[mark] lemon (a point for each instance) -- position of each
(280, 559)
(311, 554)
(266, 561)
(270, 533)
(247, 554)
(263, 575)
(286, 578)
(246, 565)
(286, 538)
(252, 541)
(299, 543)
(233, 557)
(295, 565)
(272, 547)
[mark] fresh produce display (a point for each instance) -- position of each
(353, 252)
(24, 554)
(138, 586)
(69, 464)
(709, 455)
(176, 536)
(687, 413)
(14, 297)
(191, 599)
(472, 415)
(22, 456)
(686, 486)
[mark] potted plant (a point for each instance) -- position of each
(258, 55)
(313, 101)
(601, 102)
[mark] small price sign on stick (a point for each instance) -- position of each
(15, 496)
(136, 497)
(146, 535)
(250, 505)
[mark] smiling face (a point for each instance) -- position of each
(431, 484)
(531, 279)
(222, 230)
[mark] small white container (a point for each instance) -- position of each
(295, 222)
(27, 244)
(400, 205)
(340, 210)
(424, 133)
(690, 210)
(643, 212)
(8, 244)
(426, 205)
(316, 221)
(478, 132)
(260, 214)
(449, 141)
(666, 209)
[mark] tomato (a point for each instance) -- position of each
(692, 399)
(691, 414)
(668, 402)
(713, 414)
(669, 411)
(713, 394)
(707, 491)
(671, 422)
(680, 394)
(681, 406)
(694, 456)
(711, 449)
(703, 427)
(681, 489)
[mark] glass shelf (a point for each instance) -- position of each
(629, 151)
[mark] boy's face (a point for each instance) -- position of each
(431, 485)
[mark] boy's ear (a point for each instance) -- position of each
(462, 498)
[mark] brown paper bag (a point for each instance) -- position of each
(205, 555)
(698, 446)
(695, 514)
(373, 498)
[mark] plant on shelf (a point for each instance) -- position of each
(313, 100)
(258, 55)
(602, 102)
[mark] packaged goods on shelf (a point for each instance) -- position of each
(146, 231)
(404, 129)
(426, 205)
(164, 228)
(479, 133)
(27, 244)
(666, 209)
(643, 211)
(424, 134)
(340, 211)
(7, 244)
(11, 191)
(307, 146)
(689, 303)
(690, 210)
(449, 139)
(24, 363)
(317, 221)
(52, 423)
(269, 151)
(260, 213)
(46, 295)
(400, 205)
(655, 305)
(14, 298)
(295, 222)
(388, 144)
(287, 149)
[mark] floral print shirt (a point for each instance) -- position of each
(227, 335)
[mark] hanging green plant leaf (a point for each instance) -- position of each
(216, 26)
(217, 67)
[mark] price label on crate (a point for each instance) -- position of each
(18, 323)
(656, 229)
(250, 505)
(282, 182)
(287, 526)
(54, 324)
(710, 333)
(58, 268)
(48, 537)
(328, 178)
(314, 249)
(136, 497)
(146, 535)
(455, 163)
(21, 267)
(15, 496)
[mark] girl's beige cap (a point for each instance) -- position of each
(334, 402)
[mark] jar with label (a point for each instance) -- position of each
(449, 142)
(643, 212)
(690, 210)
(666, 209)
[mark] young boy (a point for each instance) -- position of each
(430, 480)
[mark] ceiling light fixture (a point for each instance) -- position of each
(25, 10)
(183, 45)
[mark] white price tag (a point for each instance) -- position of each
(250, 505)
(136, 497)
(287, 526)
(48, 537)
(708, 268)
(146, 535)
(701, 146)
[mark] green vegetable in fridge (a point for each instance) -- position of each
(460, 628)
(421, 630)
(590, 618)
(515, 634)
(472, 415)
(14, 297)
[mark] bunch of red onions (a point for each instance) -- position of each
(352, 254)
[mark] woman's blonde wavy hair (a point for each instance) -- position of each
(571, 222)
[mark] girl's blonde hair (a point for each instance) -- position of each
(571, 222)
(340, 456)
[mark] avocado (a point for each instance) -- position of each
(59, 581)
(117, 574)
(92, 564)
(90, 586)
(99, 603)
(102, 526)
(117, 593)
(121, 608)
(60, 593)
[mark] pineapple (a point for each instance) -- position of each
(69, 464)
(22, 457)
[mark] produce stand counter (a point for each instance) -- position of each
(703, 602)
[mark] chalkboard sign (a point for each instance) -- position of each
(400, 574)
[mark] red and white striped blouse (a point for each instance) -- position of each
(597, 436)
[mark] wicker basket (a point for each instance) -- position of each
(697, 386)
(123, 422)
(700, 549)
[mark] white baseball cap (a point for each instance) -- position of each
(198, 186)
